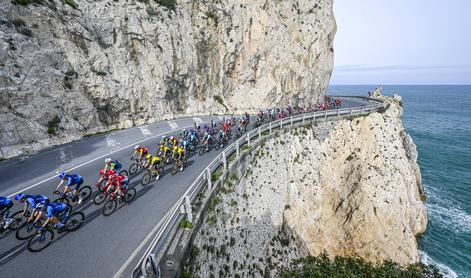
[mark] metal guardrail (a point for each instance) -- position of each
(183, 205)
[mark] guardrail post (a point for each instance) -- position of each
(259, 133)
(304, 117)
(270, 127)
(351, 111)
(237, 148)
(224, 160)
(325, 115)
(248, 139)
(361, 110)
(208, 176)
(189, 215)
(154, 265)
(291, 120)
(338, 112)
(281, 123)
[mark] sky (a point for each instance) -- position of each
(402, 42)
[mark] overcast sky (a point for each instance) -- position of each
(402, 42)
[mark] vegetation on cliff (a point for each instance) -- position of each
(323, 266)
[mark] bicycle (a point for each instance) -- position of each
(111, 205)
(101, 195)
(205, 147)
(151, 174)
(67, 198)
(27, 229)
(17, 221)
(136, 166)
(178, 165)
(44, 237)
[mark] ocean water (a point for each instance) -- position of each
(438, 118)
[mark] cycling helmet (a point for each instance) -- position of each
(164, 137)
(136, 147)
(175, 148)
(20, 196)
(62, 175)
(108, 160)
(171, 137)
(149, 156)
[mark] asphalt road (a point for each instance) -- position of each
(103, 246)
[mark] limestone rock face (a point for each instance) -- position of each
(351, 188)
(76, 69)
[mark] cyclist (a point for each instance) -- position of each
(104, 174)
(31, 200)
(221, 136)
(173, 141)
(164, 140)
(70, 180)
(114, 165)
(207, 138)
(5, 206)
(165, 152)
(122, 182)
(185, 145)
(54, 210)
(178, 155)
(152, 162)
(142, 151)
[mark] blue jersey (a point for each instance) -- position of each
(34, 200)
(54, 209)
(73, 179)
(4, 202)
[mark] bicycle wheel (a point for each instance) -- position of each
(25, 231)
(103, 185)
(63, 200)
(133, 168)
(130, 194)
(146, 179)
(100, 197)
(160, 172)
(40, 241)
(202, 150)
(123, 173)
(18, 220)
(175, 168)
(74, 221)
(85, 192)
(109, 207)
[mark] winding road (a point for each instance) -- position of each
(104, 246)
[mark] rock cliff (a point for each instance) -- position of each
(351, 188)
(75, 67)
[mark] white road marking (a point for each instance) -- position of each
(145, 131)
(90, 161)
(110, 142)
(173, 125)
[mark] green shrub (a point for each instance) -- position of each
(219, 100)
(20, 2)
(52, 130)
(71, 3)
(100, 73)
(216, 175)
(169, 4)
(322, 266)
(185, 224)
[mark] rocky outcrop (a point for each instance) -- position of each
(75, 67)
(350, 188)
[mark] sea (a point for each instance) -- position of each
(438, 118)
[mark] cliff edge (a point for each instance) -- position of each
(75, 67)
(350, 188)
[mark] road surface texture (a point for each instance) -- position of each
(105, 246)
